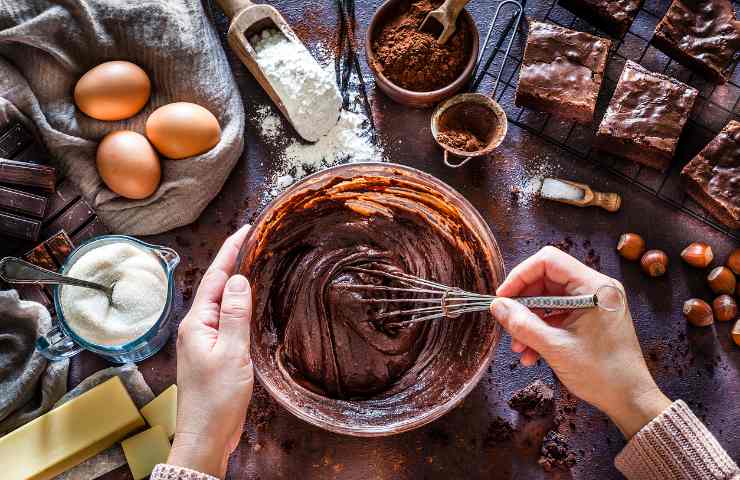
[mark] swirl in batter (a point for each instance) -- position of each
(329, 341)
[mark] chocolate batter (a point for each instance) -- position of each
(321, 335)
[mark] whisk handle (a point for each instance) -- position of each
(560, 303)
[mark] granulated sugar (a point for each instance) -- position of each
(555, 189)
(307, 90)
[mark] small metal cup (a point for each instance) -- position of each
(479, 114)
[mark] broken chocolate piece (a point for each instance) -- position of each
(72, 219)
(22, 202)
(13, 140)
(35, 293)
(92, 229)
(555, 453)
(51, 253)
(19, 227)
(534, 400)
(32, 175)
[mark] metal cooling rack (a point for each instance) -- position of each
(714, 107)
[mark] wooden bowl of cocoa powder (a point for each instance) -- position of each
(409, 66)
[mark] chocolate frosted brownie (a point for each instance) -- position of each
(713, 177)
(645, 117)
(614, 15)
(562, 71)
(702, 34)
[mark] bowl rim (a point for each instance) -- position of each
(438, 410)
(450, 89)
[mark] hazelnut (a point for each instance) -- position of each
(698, 312)
(698, 254)
(736, 333)
(725, 308)
(722, 280)
(733, 261)
(654, 262)
(631, 246)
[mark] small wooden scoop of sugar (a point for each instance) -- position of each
(578, 194)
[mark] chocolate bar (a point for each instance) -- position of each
(14, 140)
(19, 227)
(92, 229)
(51, 254)
(43, 177)
(22, 202)
(72, 219)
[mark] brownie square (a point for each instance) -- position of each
(562, 71)
(615, 16)
(645, 117)
(701, 34)
(712, 178)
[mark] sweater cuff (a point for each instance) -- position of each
(170, 472)
(675, 445)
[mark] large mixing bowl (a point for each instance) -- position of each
(460, 349)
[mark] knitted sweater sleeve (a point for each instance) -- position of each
(171, 472)
(676, 445)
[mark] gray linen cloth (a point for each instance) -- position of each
(45, 46)
(29, 384)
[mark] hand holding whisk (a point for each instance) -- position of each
(450, 302)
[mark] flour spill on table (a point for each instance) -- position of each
(349, 141)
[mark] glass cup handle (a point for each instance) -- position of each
(170, 257)
(56, 345)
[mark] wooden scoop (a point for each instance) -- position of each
(578, 194)
(446, 16)
(247, 20)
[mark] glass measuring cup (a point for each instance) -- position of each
(62, 342)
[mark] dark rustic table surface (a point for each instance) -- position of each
(699, 365)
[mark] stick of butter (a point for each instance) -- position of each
(145, 450)
(163, 410)
(69, 434)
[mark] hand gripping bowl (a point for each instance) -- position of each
(390, 213)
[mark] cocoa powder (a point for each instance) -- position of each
(414, 60)
(461, 140)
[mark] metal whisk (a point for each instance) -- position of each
(452, 302)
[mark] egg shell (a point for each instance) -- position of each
(181, 129)
(128, 164)
(113, 91)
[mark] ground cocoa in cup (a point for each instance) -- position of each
(414, 60)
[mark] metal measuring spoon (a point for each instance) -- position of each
(15, 270)
(481, 114)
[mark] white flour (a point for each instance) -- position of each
(139, 294)
(308, 91)
(348, 141)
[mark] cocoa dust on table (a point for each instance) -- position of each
(414, 60)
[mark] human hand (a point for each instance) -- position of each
(594, 353)
(214, 369)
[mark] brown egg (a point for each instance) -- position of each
(113, 91)
(128, 164)
(182, 129)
